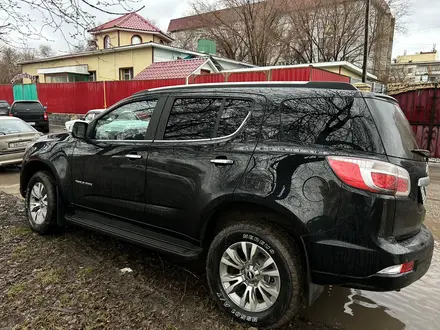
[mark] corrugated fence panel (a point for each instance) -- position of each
(422, 109)
(118, 90)
(6, 93)
(324, 75)
(247, 76)
(292, 74)
(207, 78)
(71, 97)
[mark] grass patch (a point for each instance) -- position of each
(21, 231)
(16, 289)
(48, 277)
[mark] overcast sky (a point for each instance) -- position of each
(423, 27)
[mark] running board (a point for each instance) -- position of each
(135, 234)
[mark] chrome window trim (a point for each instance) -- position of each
(210, 140)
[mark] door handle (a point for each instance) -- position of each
(222, 161)
(133, 156)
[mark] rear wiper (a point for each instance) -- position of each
(422, 152)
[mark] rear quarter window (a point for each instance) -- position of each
(397, 135)
(336, 121)
(27, 106)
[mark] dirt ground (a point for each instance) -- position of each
(73, 280)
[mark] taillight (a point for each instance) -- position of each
(371, 175)
(45, 116)
(398, 269)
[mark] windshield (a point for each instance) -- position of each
(397, 135)
(13, 126)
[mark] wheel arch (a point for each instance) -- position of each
(270, 213)
(30, 169)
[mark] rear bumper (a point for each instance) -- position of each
(418, 248)
(11, 159)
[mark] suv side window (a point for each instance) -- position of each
(336, 121)
(127, 122)
(192, 118)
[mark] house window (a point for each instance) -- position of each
(410, 70)
(92, 75)
(107, 43)
(136, 40)
(203, 71)
(125, 73)
(36, 79)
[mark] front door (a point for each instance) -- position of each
(109, 168)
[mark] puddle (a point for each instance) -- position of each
(9, 180)
(414, 307)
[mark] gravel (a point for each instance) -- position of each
(74, 280)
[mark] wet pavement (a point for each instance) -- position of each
(415, 307)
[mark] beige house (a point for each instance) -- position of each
(125, 47)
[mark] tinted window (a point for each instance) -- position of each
(337, 121)
(27, 106)
(233, 115)
(12, 126)
(192, 119)
(397, 136)
(128, 122)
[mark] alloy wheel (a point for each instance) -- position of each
(38, 203)
(249, 276)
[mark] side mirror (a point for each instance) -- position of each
(79, 130)
(45, 108)
(9, 108)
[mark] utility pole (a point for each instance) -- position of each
(367, 27)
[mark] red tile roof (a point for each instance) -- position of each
(171, 69)
(131, 21)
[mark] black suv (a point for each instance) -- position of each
(282, 187)
(32, 112)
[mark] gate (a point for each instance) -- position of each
(26, 92)
(421, 105)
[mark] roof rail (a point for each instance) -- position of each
(297, 84)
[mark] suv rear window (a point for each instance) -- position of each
(336, 121)
(396, 132)
(27, 106)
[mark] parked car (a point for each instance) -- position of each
(15, 137)
(32, 112)
(284, 186)
(91, 114)
(4, 108)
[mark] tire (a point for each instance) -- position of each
(41, 222)
(270, 242)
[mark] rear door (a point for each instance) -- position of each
(400, 144)
(197, 158)
(30, 112)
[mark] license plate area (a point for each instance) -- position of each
(15, 145)
(32, 123)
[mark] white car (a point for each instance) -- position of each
(91, 114)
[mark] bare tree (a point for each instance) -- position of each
(45, 51)
(281, 31)
(27, 19)
(243, 29)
